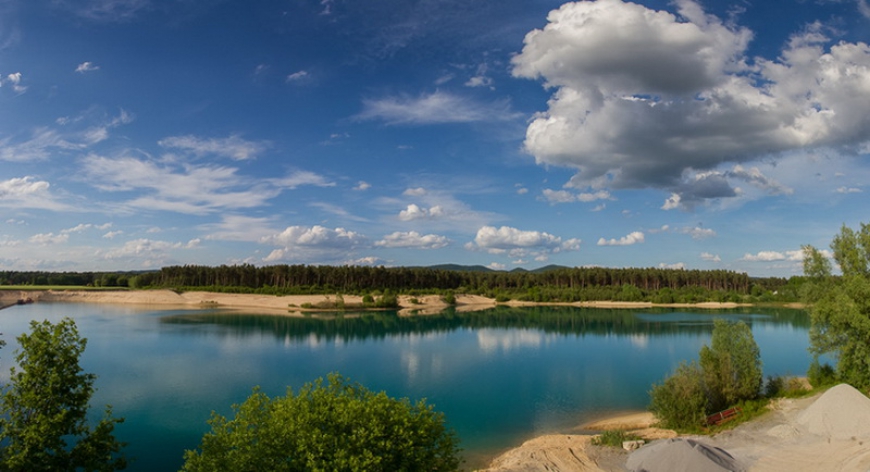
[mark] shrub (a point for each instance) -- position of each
(680, 401)
(613, 438)
(334, 426)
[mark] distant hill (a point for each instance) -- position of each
(480, 268)
(461, 268)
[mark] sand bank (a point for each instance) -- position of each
(294, 304)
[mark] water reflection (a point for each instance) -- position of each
(527, 323)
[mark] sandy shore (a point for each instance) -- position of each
(824, 432)
(294, 304)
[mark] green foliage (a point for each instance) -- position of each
(680, 401)
(44, 425)
(821, 375)
(731, 365)
(840, 307)
(326, 427)
(449, 298)
(613, 438)
(729, 372)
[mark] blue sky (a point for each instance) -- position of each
(136, 134)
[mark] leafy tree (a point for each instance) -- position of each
(44, 425)
(680, 401)
(840, 307)
(731, 365)
(729, 371)
(326, 427)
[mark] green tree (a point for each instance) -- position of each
(44, 425)
(680, 402)
(840, 307)
(729, 371)
(331, 426)
(731, 365)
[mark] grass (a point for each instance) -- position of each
(613, 438)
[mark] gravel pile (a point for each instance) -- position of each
(681, 454)
(842, 413)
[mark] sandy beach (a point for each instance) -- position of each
(823, 432)
(295, 304)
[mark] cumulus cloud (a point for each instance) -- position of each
(518, 243)
(770, 256)
(307, 242)
(412, 239)
(635, 237)
(27, 192)
(414, 212)
(706, 256)
(654, 99)
(233, 147)
(362, 186)
(435, 108)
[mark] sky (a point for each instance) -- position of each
(137, 134)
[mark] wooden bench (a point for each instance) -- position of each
(723, 416)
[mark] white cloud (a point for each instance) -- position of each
(233, 147)
(315, 236)
(437, 107)
(298, 77)
(710, 257)
(635, 237)
(769, 256)
(496, 266)
(412, 239)
(698, 232)
(13, 80)
(87, 67)
(308, 242)
(362, 186)
(191, 189)
(519, 244)
(564, 196)
(26, 192)
(674, 266)
(646, 98)
(44, 142)
(849, 190)
(300, 178)
(49, 238)
(414, 192)
(153, 251)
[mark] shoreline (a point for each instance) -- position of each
(297, 305)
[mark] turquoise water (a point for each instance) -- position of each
(500, 376)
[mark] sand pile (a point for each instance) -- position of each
(841, 413)
(682, 454)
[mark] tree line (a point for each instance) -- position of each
(558, 284)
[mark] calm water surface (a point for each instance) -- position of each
(500, 376)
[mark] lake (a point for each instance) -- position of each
(500, 376)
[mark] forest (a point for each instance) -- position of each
(551, 284)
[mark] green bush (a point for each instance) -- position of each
(821, 375)
(336, 425)
(680, 402)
